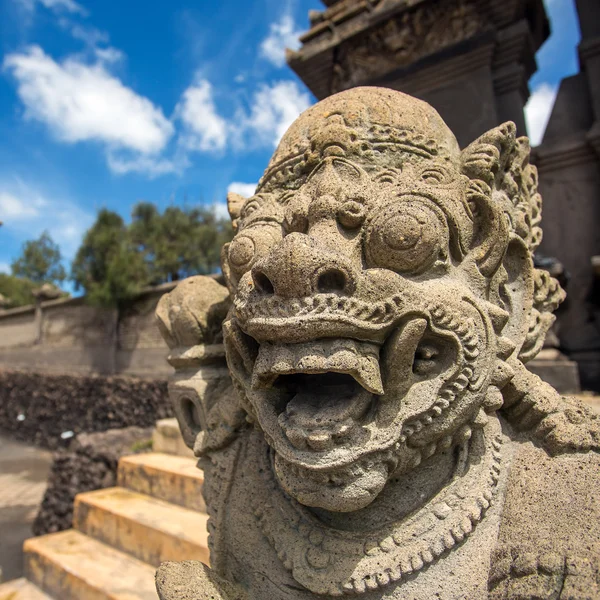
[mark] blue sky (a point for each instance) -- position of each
(104, 104)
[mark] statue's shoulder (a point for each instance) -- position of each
(549, 539)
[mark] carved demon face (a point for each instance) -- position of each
(374, 279)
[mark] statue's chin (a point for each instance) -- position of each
(344, 491)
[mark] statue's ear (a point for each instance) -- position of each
(506, 209)
(484, 163)
(234, 206)
(235, 202)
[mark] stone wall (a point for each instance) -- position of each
(69, 336)
(48, 409)
(18, 330)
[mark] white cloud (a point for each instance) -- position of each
(13, 208)
(243, 189)
(109, 55)
(90, 36)
(81, 102)
(95, 40)
(65, 5)
(274, 109)
(26, 212)
(282, 34)
(220, 210)
(205, 130)
(5, 268)
(69, 6)
(538, 110)
(152, 166)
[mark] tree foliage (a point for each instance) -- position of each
(107, 265)
(116, 261)
(16, 291)
(179, 242)
(40, 261)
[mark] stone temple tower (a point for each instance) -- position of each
(568, 162)
(470, 59)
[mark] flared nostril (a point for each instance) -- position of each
(262, 283)
(332, 281)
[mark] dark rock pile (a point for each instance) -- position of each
(90, 463)
(49, 410)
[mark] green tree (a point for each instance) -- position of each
(40, 261)
(107, 265)
(179, 242)
(211, 233)
(17, 291)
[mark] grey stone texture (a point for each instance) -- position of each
(569, 164)
(380, 435)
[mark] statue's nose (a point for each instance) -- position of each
(299, 267)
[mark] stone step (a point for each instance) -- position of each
(174, 479)
(167, 438)
(21, 589)
(72, 566)
(151, 530)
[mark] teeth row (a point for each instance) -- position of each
(381, 312)
(446, 396)
(318, 440)
(365, 368)
(359, 359)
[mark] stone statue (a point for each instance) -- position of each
(385, 439)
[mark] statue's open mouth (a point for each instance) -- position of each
(320, 402)
(323, 390)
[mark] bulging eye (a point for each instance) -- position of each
(407, 237)
(251, 244)
(351, 214)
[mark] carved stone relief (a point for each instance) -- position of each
(384, 302)
(404, 39)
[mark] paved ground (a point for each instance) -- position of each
(23, 473)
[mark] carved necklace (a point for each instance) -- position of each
(335, 562)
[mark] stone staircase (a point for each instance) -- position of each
(120, 535)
